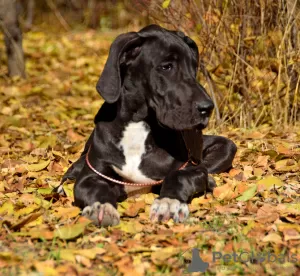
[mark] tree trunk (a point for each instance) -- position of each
(30, 12)
(12, 37)
(94, 7)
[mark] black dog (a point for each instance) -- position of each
(154, 108)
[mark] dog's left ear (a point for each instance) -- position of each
(124, 47)
(192, 44)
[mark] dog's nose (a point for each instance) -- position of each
(205, 107)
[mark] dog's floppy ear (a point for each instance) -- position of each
(109, 83)
(193, 138)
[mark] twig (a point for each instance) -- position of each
(57, 13)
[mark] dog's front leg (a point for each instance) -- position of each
(98, 197)
(177, 189)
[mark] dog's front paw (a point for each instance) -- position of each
(102, 214)
(167, 208)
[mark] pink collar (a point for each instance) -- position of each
(123, 182)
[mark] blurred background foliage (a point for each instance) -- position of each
(249, 49)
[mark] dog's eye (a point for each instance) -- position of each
(166, 67)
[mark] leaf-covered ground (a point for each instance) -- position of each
(44, 122)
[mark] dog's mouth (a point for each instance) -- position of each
(198, 127)
(180, 121)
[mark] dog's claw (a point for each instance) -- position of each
(166, 208)
(102, 214)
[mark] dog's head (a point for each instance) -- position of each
(156, 69)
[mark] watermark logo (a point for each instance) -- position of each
(245, 257)
(198, 265)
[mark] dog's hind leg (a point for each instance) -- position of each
(75, 169)
(77, 166)
(218, 153)
(71, 174)
(97, 196)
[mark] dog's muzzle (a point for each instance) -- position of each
(205, 109)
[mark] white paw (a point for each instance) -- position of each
(167, 208)
(102, 214)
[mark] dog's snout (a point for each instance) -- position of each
(205, 107)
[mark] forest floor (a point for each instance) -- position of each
(44, 122)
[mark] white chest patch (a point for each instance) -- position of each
(133, 146)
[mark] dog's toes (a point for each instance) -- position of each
(166, 208)
(102, 214)
(110, 216)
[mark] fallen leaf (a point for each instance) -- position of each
(37, 167)
(262, 161)
(71, 231)
(269, 183)
(223, 192)
(291, 234)
(160, 256)
(90, 253)
(134, 209)
(31, 217)
(248, 194)
(267, 213)
(130, 226)
(227, 210)
(287, 165)
(273, 238)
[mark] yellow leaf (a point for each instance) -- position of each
(166, 4)
(283, 226)
(250, 225)
(45, 268)
(248, 194)
(287, 165)
(66, 254)
(123, 206)
(9, 257)
(38, 167)
(7, 207)
(130, 226)
(31, 217)
(72, 231)
(90, 253)
(268, 183)
(201, 200)
(161, 256)
(47, 141)
(272, 237)
(67, 213)
(25, 211)
(148, 198)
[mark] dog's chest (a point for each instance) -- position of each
(133, 146)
